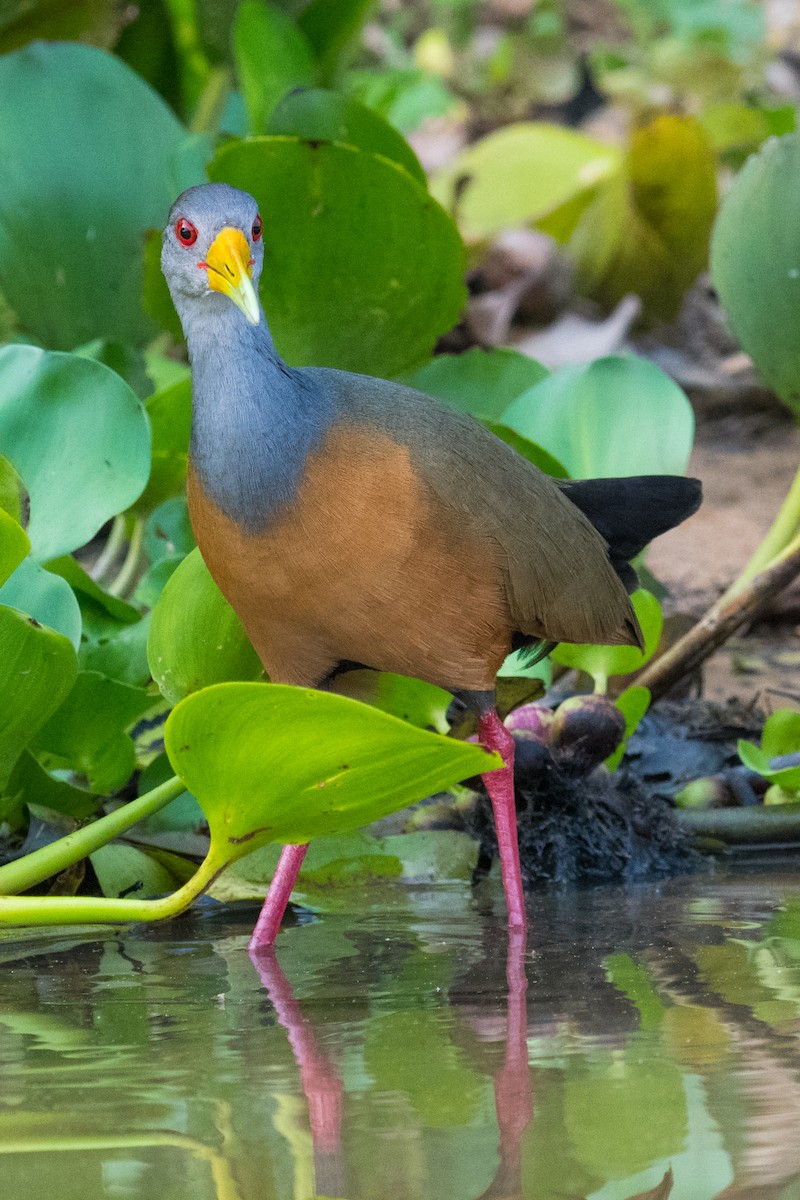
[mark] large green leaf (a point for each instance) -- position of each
(87, 731)
(14, 545)
(317, 113)
(755, 262)
(272, 57)
(195, 637)
(362, 269)
(780, 736)
(79, 438)
(520, 174)
(91, 158)
(480, 382)
(269, 762)
(37, 670)
(618, 416)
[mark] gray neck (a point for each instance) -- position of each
(254, 419)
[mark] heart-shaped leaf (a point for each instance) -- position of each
(362, 269)
(106, 158)
(79, 438)
(37, 669)
(195, 637)
(269, 762)
(618, 416)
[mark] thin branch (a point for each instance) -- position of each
(721, 621)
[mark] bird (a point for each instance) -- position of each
(354, 521)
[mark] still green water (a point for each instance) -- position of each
(383, 1053)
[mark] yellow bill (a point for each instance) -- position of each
(230, 272)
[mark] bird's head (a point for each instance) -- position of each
(212, 247)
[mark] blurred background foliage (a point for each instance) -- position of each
(436, 177)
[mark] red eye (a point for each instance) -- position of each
(185, 232)
(258, 225)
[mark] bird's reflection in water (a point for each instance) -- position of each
(323, 1087)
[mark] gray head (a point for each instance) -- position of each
(212, 249)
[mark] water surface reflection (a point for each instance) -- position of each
(397, 1052)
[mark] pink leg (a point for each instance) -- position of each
(493, 735)
(271, 915)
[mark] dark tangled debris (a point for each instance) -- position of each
(599, 828)
(620, 826)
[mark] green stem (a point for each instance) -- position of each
(784, 529)
(26, 872)
(211, 104)
(127, 572)
(111, 549)
(763, 824)
(91, 910)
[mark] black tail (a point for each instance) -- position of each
(630, 512)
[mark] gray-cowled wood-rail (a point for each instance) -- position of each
(350, 520)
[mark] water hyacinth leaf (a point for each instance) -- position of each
(81, 582)
(603, 661)
(780, 735)
(422, 704)
(37, 670)
(32, 784)
(391, 258)
(272, 57)
(128, 871)
(617, 416)
(106, 157)
(633, 703)
(14, 545)
(519, 175)
(155, 579)
(534, 454)
(80, 440)
(86, 732)
(170, 414)
(755, 263)
(195, 637)
(45, 597)
(269, 762)
(168, 533)
(115, 650)
(480, 382)
(647, 230)
(315, 113)
(128, 362)
(331, 26)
